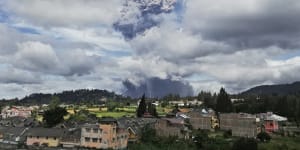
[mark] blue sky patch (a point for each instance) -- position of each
(3, 16)
(117, 53)
(288, 55)
(27, 30)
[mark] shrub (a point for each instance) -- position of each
(264, 137)
(245, 144)
(227, 134)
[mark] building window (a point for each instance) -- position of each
(47, 137)
(87, 139)
(37, 137)
(54, 138)
(100, 140)
(87, 129)
(95, 130)
(94, 140)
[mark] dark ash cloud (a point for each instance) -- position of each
(156, 87)
(144, 17)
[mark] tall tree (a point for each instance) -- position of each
(55, 101)
(292, 106)
(282, 106)
(142, 107)
(224, 104)
(207, 99)
(54, 116)
(298, 113)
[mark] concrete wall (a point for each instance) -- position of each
(107, 137)
(245, 127)
(271, 125)
(91, 137)
(199, 121)
(163, 128)
(50, 141)
(240, 125)
(227, 120)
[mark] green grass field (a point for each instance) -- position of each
(118, 112)
(281, 143)
(121, 111)
(113, 114)
(131, 109)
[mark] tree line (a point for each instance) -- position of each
(284, 105)
(82, 96)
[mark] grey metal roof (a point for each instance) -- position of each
(14, 134)
(135, 124)
(72, 135)
(174, 120)
(12, 130)
(46, 132)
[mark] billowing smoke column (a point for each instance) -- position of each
(137, 17)
(157, 88)
(140, 15)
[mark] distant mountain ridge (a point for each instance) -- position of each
(278, 89)
(94, 96)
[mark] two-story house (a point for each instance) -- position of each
(107, 134)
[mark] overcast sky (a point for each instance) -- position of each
(56, 45)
